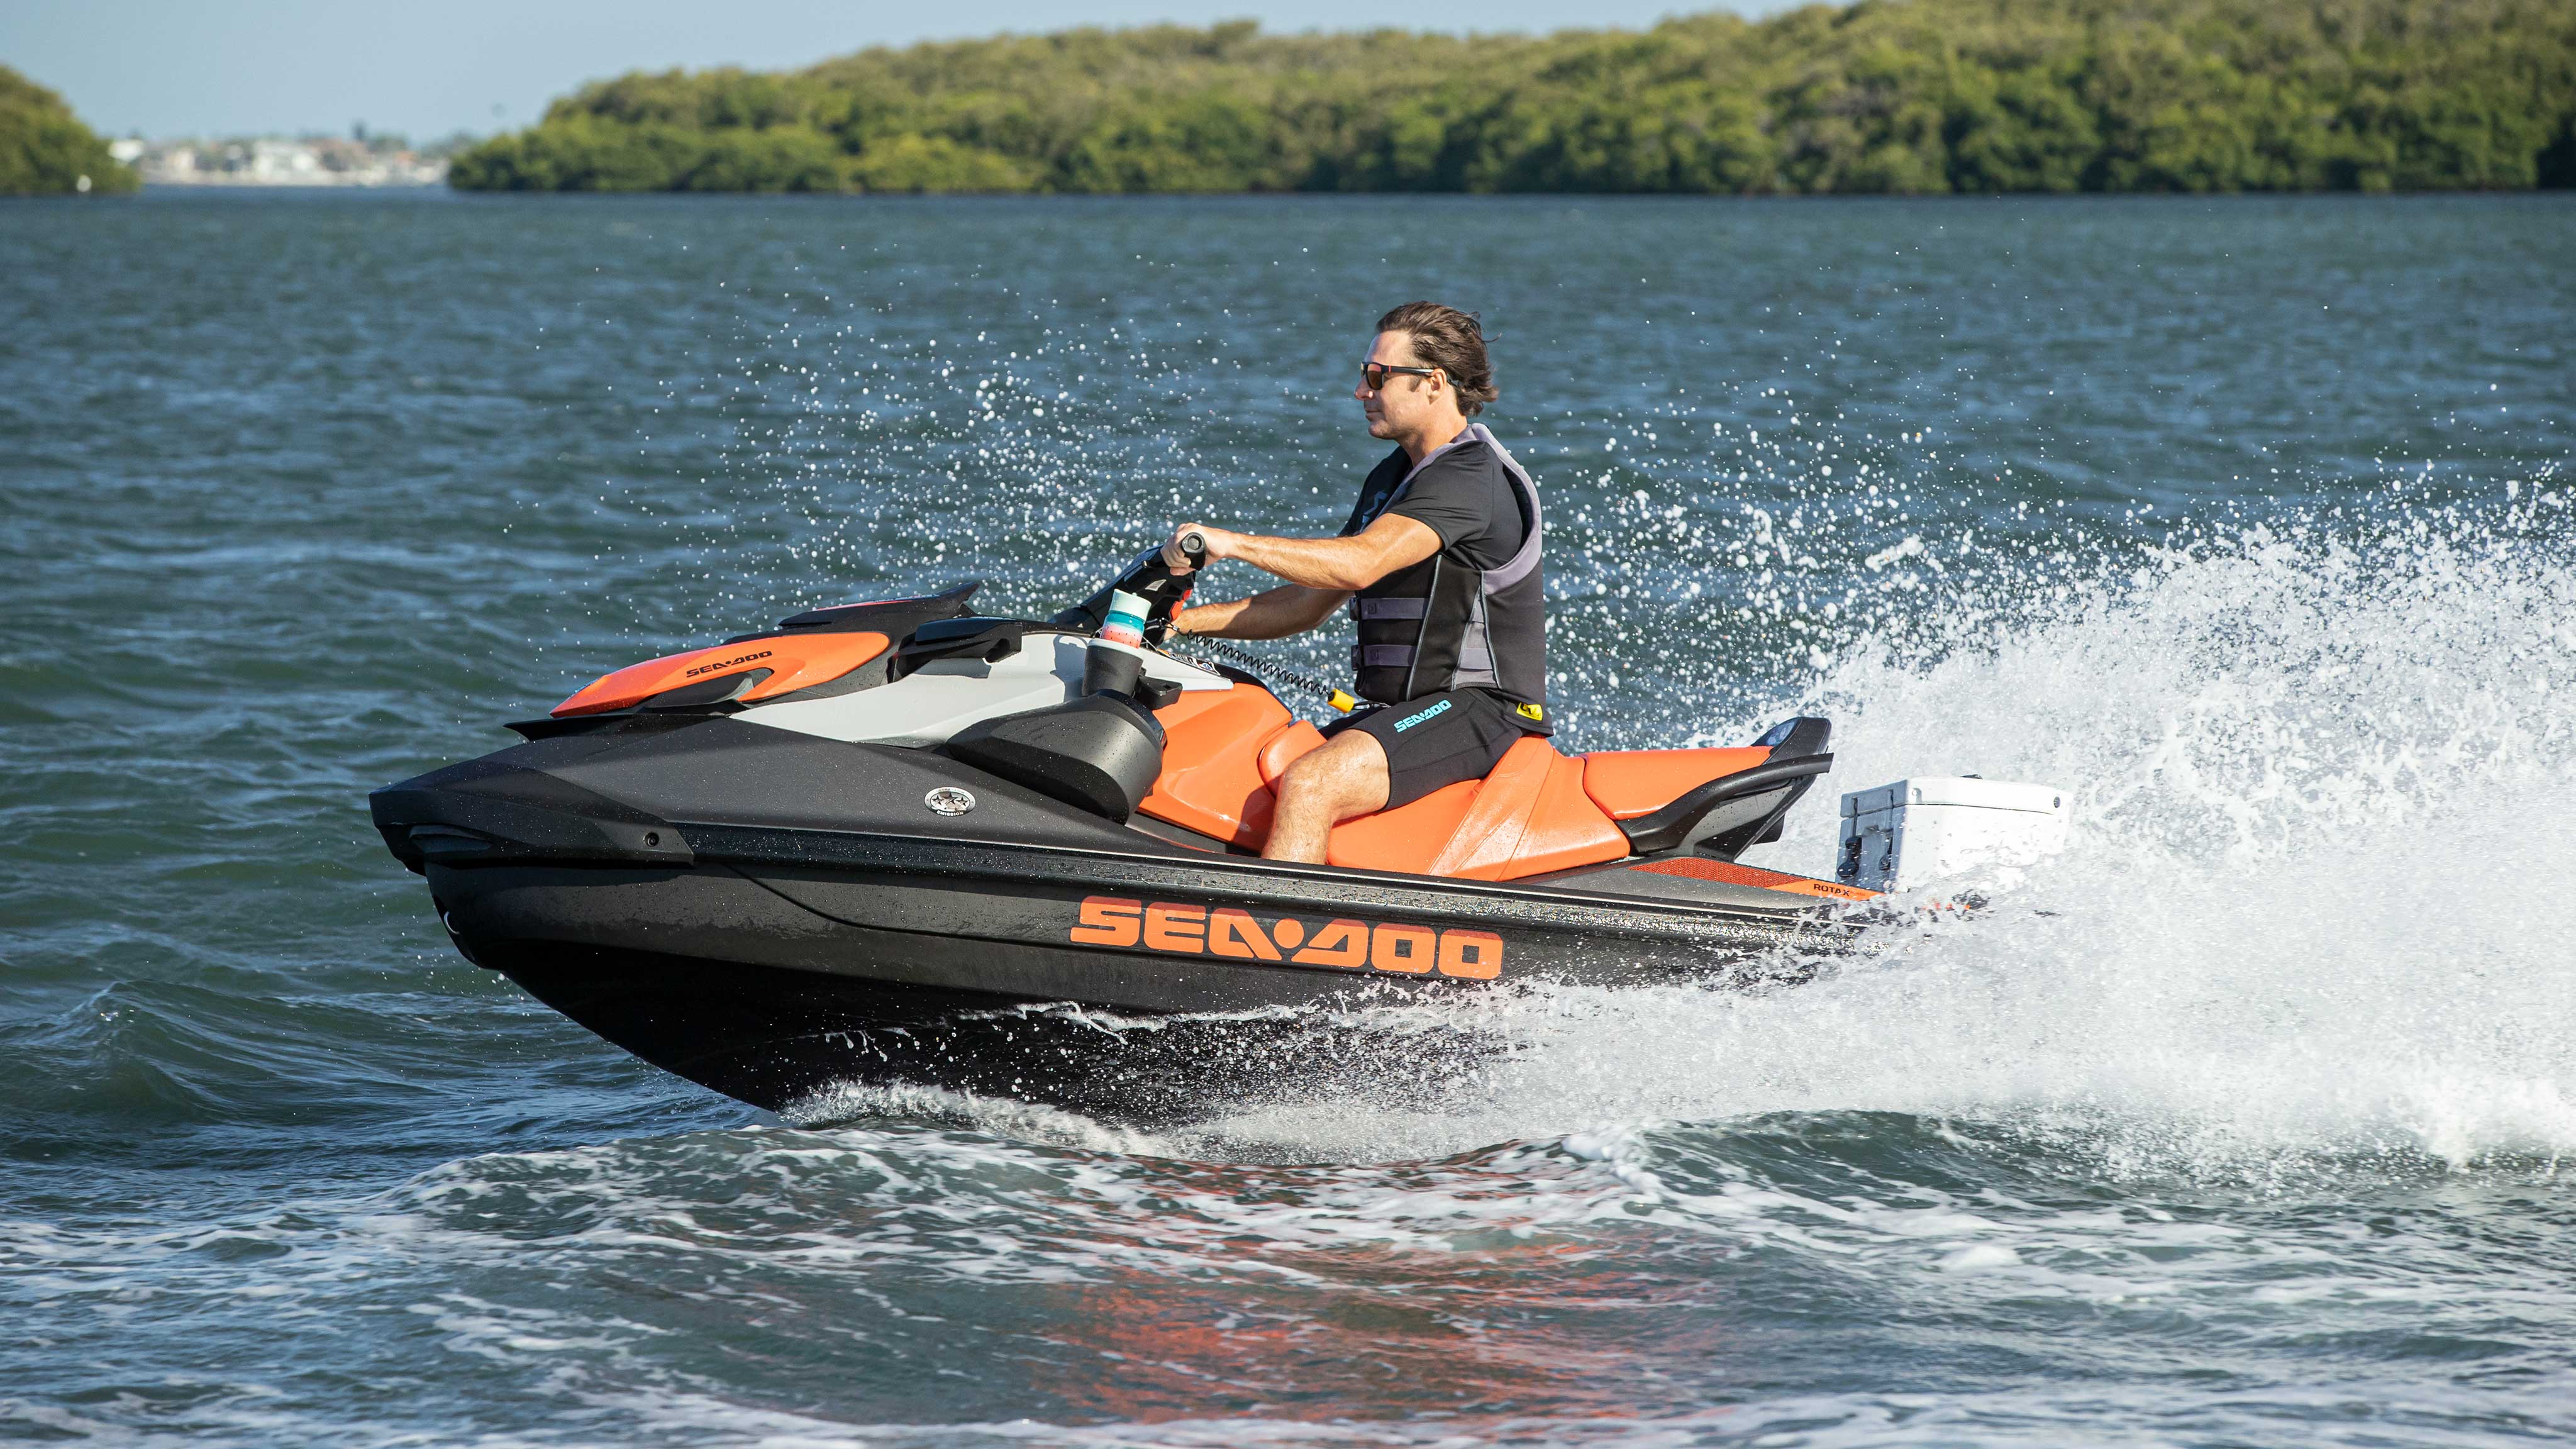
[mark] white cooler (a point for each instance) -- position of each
(1916, 832)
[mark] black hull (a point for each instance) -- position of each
(775, 916)
(791, 1040)
(779, 984)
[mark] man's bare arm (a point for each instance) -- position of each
(1292, 609)
(1339, 565)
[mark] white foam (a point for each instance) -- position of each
(2310, 908)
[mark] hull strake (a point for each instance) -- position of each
(784, 1039)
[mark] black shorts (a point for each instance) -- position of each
(1439, 739)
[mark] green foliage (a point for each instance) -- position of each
(577, 152)
(1878, 96)
(908, 162)
(45, 150)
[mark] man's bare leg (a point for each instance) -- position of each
(1343, 779)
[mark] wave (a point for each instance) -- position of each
(2307, 912)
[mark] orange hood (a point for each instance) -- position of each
(787, 663)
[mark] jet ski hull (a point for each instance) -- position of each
(781, 965)
(814, 1043)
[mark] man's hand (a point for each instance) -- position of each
(1220, 544)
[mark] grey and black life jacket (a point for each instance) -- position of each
(1445, 624)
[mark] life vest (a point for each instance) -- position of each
(1445, 624)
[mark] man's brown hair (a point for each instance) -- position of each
(1451, 340)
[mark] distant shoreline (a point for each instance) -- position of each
(1886, 97)
(1039, 202)
(228, 183)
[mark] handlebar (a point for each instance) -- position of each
(1151, 577)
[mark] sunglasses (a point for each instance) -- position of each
(1373, 375)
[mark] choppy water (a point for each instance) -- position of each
(2240, 1123)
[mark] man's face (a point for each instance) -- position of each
(1393, 409)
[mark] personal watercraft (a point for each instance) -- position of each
(902, 842)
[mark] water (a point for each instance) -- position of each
(2242, 1122)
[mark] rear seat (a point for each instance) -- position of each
(1630, 783)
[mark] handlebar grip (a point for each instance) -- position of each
(1194, 548)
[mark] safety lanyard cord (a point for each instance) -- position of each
(1249, 660)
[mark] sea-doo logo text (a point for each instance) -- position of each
(728, 664)
(1409, 721)
(1350, 945)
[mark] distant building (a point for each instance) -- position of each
(280, 161)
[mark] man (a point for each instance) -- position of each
(1440, 565)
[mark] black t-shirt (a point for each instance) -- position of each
(1463, 495)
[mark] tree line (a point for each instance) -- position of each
(1909, 96)
(44, 148)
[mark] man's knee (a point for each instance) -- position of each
(1348, 772)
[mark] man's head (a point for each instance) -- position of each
(1436, 374)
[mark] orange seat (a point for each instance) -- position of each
(1630, 783)
(1212, 779)
(1528, 816)
(1408, 838)
(1226, 749)
(1288, 747)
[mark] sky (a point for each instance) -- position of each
(172, 68)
